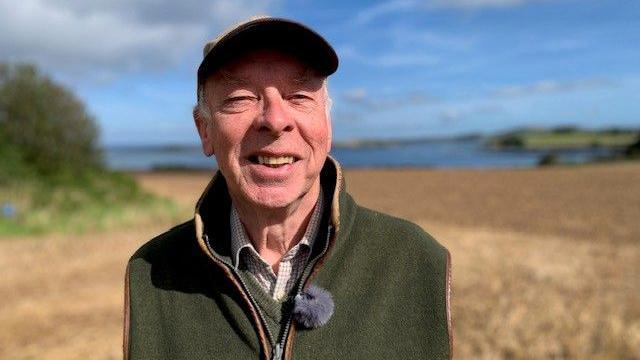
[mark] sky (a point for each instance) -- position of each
(408, 69)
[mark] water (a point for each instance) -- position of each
(468, 153)
(149, 158)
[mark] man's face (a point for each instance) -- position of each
(269, 129)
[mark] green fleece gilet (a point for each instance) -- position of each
(388, 278)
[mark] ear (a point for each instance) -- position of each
(203, 125)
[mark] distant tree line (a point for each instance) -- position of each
(633, 150)
(564, 137)
(45, 130)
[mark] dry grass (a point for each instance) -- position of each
(545, 263)
(518, 296)
(591, 203)
(62, 296)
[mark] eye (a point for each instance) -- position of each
(299, 96)
(300, 99)
(238, 103)
(237, 99)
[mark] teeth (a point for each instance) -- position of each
(271, 160)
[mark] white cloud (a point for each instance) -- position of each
(405, 59)
(387, 8)
(394, 59)
(562, 45)
(361, 98)
(405, 36)
(357, 95)
(383, 9)
(450, 114)
(103, 37)
(454, 112)
(550, 86)
(475, 4)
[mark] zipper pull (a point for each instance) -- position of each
(277, 352)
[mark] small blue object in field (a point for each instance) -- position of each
(8, 210)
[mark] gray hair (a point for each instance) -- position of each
(203, 110)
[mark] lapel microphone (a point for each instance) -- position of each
(313, 307)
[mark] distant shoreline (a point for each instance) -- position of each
(514, 149)
(526, 138)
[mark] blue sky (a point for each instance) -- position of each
(407, 68)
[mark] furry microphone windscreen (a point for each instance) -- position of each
(313, 307)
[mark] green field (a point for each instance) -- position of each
(95, 201)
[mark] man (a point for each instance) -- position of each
(279, 261)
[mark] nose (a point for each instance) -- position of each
(275, 118)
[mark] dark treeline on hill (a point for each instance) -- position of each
(621, 143)
(633, 150)
(564, 137)
(52, 176)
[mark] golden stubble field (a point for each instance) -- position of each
(545, 263)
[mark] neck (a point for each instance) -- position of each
(273, 232)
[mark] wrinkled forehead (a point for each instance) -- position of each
(264, 66)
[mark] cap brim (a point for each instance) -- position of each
(271, 33)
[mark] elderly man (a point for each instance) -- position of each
(279, 262)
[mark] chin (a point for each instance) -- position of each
(275, 197)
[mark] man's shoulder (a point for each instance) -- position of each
(390, 221)
(170, 260)
(391, 233)
(170, 243)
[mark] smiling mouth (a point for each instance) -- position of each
(272, 161)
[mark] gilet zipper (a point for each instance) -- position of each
(278, 350)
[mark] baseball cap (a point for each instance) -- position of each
(268, 33)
